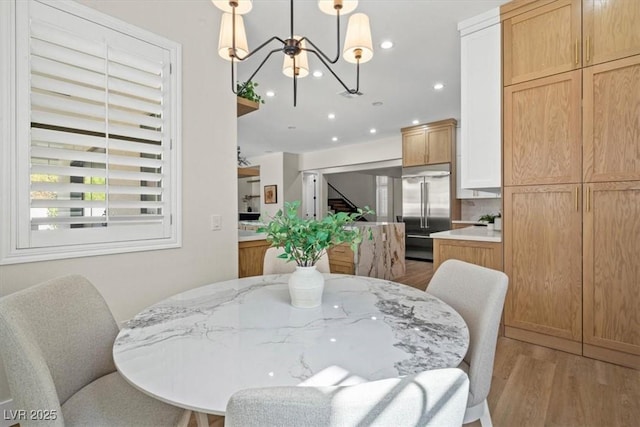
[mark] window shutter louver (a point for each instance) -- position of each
(99, 120)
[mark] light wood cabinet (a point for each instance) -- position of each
(611, 120)
(551, 274)
(611, 30)
(428, 144)
(542, 131)
(540, 39)
(341, 259)
(251, 257)
(611, 273)
(543, 258)
(486, 254)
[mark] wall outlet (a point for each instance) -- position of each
(216, 222)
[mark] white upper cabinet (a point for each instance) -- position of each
(480, 103)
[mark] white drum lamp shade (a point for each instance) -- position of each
(358, 37)
(302, 62)
(328, 6)
(225, 42)
(244, 6)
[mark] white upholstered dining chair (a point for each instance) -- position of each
(274, 265)
(57, 340)
(478, 294)
(431, 398)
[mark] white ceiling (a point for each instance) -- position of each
(426, 50)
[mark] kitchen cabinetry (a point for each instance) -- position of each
(251, 257)
(540, 39)
(610, 30)
(571, 242)
(428, 144)
(543, 242)
(480, 47)
(611, 121)
(611, 274)
(542, 135)
(341, 259)
(486, 254)
(547, 37)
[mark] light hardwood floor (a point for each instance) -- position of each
(536, 386)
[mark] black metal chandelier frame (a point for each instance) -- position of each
(292, 47)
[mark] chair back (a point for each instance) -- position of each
(56, 338)
(431, 398)
(274, 265)
(477, 294)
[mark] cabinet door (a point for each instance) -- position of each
(611, 273)
(611, 30)
(414, 148)
(486, 254)
(251, 257)
(439, 141)
(542, 41)
(542, 131)
(612, 121)
(480, 108)
(543, 259)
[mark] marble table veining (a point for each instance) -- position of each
(196, 349)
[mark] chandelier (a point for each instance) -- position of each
(233, 45)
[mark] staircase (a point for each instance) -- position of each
(341, 205)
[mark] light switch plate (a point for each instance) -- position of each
(216, 222)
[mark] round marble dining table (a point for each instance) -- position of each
(197, 348)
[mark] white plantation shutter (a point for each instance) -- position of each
(96, 122)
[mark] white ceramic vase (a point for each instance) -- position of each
(305, 287)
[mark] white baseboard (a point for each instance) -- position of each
(4, 409)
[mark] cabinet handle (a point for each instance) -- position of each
(588, 47)
(577, 198)
(588, 199)
(576, 49)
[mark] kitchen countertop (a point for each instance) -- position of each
(250, 235)
(480, 234)
(459, 221)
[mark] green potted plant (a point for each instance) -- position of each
(304, 241)
(249, 92)
(489, 219)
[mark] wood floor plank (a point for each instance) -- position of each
(533, 394)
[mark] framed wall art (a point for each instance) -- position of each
(270, 194)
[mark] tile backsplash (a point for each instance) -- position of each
(472, 209)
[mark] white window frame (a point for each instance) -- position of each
(13, 190)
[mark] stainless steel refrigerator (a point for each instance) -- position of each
(426, 208)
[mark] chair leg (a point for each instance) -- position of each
(485, 418)
(201, 419)
(478, 412)
(184, 421)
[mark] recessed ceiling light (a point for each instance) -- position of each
(334, 139)
(270, 93)
(415, 122)
(438, 86)
(387, 44)
(317, 74)
(377, 104)
(372, 130)
(331, 116)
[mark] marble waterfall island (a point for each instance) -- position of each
(382, 256)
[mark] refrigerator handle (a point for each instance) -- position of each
(426, 205)
(422, 204)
